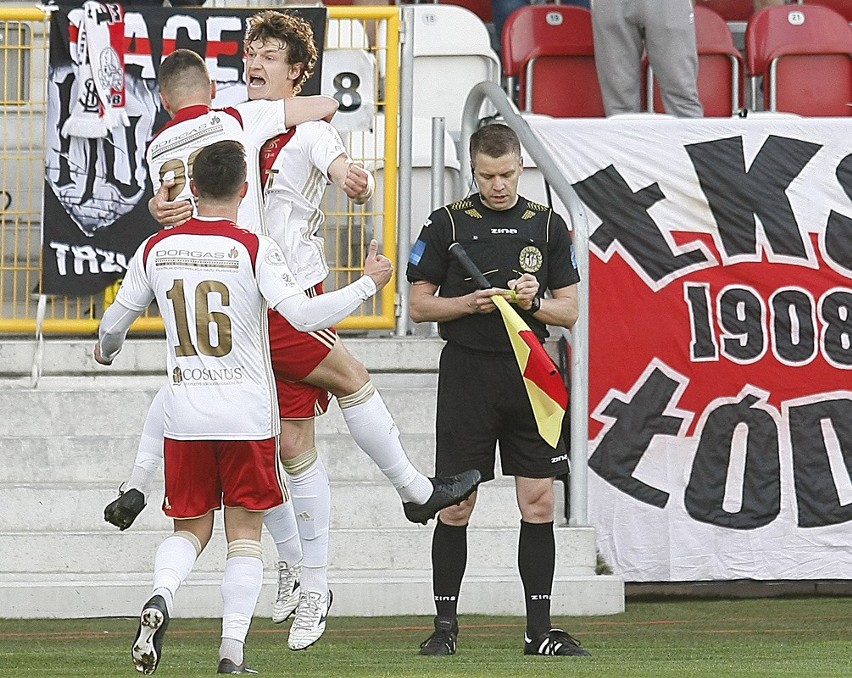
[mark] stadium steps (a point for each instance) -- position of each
(68, 443)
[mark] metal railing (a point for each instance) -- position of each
(372, 32)
(579, 405)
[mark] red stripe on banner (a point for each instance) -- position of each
(219, 48)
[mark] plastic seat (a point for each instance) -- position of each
(452, 53)
(720, 68)
(482, 8)
(804, 53)
(550, 50)
(729, 10)
(842, 7)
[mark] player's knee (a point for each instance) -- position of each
(351, 378)
(538, 510)
(458, 515)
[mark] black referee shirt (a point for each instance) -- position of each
(529, 238)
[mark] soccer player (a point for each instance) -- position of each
(212, 281)
(296, 166)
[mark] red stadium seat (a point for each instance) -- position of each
(482, 8)
(729, 10)
(720, 68)
(804, 53)
(549, 49)
(843, 7)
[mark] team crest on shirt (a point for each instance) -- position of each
(530, 259)
(274, 256)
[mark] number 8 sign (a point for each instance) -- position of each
(349, 76)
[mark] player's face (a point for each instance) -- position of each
(269, 72)
(497, 179)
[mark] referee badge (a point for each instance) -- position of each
(530, 259)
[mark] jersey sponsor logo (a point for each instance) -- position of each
(190, 137)
(417, 252)
(198, 376)
(189, 253)
(561, 457)
(504, 231)
(530, 259)
(178, 258)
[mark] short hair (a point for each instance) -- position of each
(495, 141)
(290, 31)
(219, 170)
(183, 71)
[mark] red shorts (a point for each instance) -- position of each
(202, 475)
(295, 355)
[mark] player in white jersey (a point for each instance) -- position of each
(297, 166)
(213, 281)
(187, 94)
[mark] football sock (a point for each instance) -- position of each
(241, 584)
(149, 454)
(172, 564)
(310, 495)
(373, 429)
(449, 560)
(281, 524)
(536, 562)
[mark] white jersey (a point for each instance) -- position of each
(294, 170)
(175, 146)
(212, 282)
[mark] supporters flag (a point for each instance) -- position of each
(544, 385)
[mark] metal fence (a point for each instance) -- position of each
(361, 69)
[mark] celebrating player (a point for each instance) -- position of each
(212, 282)
(295, 167)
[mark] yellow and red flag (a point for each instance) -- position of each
(544, 384)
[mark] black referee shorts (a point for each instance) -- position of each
(482, 401)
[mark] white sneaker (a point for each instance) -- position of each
(309, 623)
(288, 591)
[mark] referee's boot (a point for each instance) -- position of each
(123, 511)
(446, 492)
(444, 640)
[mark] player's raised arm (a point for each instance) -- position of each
(303, 109)
(309, 314)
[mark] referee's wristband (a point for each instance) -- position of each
(535, 306)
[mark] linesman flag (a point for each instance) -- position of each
(544, 384)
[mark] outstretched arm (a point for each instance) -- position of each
(308, 314)
(304, 109)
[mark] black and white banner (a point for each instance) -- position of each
(96, 190)
(721, 343)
